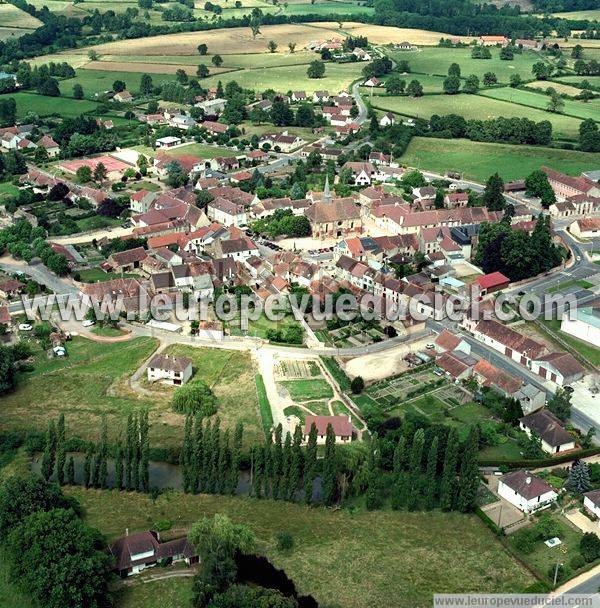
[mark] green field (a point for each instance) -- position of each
(576, 80)
(337, 77)
(437, 60)
(93, 381)
(98, 81)
(430, 84)
(8, 189)
(13, 17)
(480, 160)
(476, 107)
(307, 390)
(579, 109)
(354, 560)
(230, 374)
(591, 15)
(45, 106)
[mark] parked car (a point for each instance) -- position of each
(25, 327)
(88, 323)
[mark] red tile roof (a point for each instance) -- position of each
(342, 426)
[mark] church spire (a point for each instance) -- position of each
(327, 192)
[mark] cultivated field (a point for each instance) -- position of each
(240, 41)
(476, 107)
(478, 160)
(561, 89)
(438, 60)
(579, 109)
(355, 560)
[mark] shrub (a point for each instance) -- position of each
(577, 561)
(285, 541)
(357, 385)
(195, 398)
(589, 545)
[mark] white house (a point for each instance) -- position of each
(227, 213)
(387, 120)
(549, 429)
(167, 142)
(591, 503)
(341, 425)
(169, 369)
(526, 491)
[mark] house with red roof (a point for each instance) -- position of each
(494, 281)
(342, 427)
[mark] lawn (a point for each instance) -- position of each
(470, 413)
(430, 84)
(45, 106)
(568, 284)
(589, 351)
(476, 107)
(107, 331)
(266, 414)
(230, 374)
(86, 386)
(261, 326)
(168, 593)
(479, 160)
(579, 109)
(543, 558)
(200, 150)
(10, 595)
(93, 275)
(308, 390)
(354, 560)
(8, 189)
(437, 60)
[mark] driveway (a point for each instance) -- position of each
(584, 523)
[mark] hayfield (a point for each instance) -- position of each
(6, 33)
(381, 34)
(240, 41)
(354, 560)
(476, 107)
(224, 41)
(149, 68)
(561, 89)
(579, 109)
(478, 160)
(11, 16)
(576, 80)
(438, 60)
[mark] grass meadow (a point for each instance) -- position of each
(350, 559)
(478, 160)
(437, 60)
(476, 107)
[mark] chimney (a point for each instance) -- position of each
(528, 480)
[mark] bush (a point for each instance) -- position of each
(195, 398)
(357, 385)
(589, 545)
(285, 541)
(577, 561)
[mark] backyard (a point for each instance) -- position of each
(355, 560)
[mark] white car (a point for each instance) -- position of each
(88, 323)
(25, 327)
(578, 258)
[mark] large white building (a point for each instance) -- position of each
(583, 323)
(526, 491)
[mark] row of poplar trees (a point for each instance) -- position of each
(210, 459)
(282, 470)
(131, 457)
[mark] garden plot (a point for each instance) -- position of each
(356, 334)
(288, 369)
